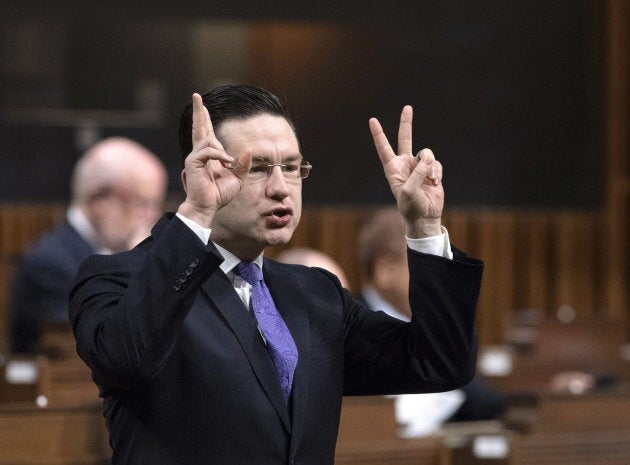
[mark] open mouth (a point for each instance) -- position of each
(279, 217)
(281, 212)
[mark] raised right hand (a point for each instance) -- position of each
(208, 183)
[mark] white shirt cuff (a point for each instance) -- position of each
(434, 245)
(202, 233)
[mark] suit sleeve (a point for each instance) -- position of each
(126, 309)
(434, 352)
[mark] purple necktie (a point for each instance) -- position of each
(280, 343)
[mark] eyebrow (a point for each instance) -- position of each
(290, 158)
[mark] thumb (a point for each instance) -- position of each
(242, 167)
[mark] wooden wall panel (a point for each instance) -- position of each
(20, 225)
(576, 269)
(617, 124)
(495, 235)
(53, 436)
(533, 283)
(534, 259)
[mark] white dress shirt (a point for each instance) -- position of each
(82, 225)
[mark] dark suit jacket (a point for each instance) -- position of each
(187, 380)
(481, 402)
(42, 283)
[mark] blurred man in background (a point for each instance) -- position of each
(118, 187)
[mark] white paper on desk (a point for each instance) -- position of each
(422, 414)
(21, 372)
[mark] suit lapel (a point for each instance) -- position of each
(221, 293)
(286, 292)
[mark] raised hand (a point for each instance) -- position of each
(415, 181)
(209, 178)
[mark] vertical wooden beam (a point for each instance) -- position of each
(495, 232)
(618, 154)
(575, 277)
(533, 251)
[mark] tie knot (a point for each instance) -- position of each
(250, 272)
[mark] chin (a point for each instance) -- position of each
(278, 237)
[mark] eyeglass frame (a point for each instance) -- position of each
(127, 198)
(269, 167)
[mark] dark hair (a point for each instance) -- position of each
(230, 102)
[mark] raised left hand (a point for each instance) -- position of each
(416, 182)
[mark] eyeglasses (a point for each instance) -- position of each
(291, 172)
(129, 198)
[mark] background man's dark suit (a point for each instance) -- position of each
(187, 380)
(42, 283)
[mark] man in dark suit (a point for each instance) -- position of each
(117, 190)
(189, 375)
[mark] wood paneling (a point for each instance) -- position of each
(534, 259)
(20, 225)
(53, 436)
(584, 448)
(618, 154)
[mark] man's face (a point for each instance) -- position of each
(266, 212)
(125, 215)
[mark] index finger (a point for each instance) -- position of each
(405, 132)
(383, 148)
(201, 123)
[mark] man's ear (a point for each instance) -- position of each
(183, 177)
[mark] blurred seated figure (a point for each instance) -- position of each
(118, 187)
(383, 256)
(311, 257)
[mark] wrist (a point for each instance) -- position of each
(202, 216)
(424, 227)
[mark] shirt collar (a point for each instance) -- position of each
(230, 260)
(80, 222)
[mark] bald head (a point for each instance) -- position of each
(312, 257)
(120, 186)
(114, 161)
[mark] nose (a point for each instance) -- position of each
(277, 187)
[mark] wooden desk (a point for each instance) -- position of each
(575, 448)
(421, 451)
(605, 411)
(587, 429)
(53, 436)
(67, 428)
(368, 435)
